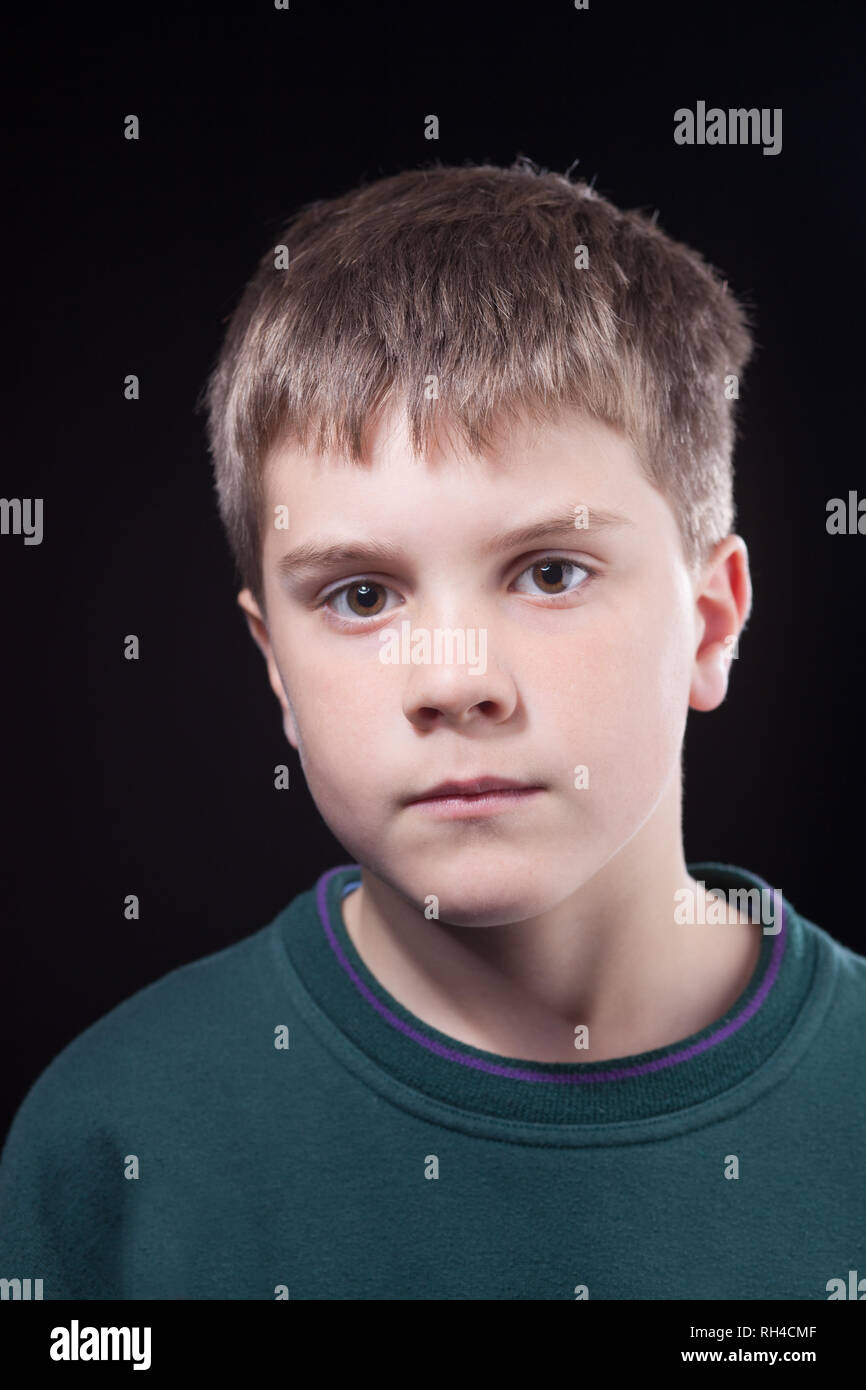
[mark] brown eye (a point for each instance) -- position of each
(369, 603)
(551, 574)
(555, 576)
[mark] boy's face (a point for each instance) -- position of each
(584, 647)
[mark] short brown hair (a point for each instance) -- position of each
(471, 274)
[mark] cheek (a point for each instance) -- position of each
(340, 714)
(333, 698)
(618, 703)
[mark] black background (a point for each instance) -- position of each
(156, 777)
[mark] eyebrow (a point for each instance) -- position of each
(312, 556)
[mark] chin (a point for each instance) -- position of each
(483, 896)
(495, 887)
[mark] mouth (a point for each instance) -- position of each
(476, 797)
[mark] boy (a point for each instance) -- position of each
(472, 433)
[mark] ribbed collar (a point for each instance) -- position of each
(688, 1073)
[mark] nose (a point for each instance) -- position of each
(460, 694)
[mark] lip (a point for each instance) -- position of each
(478, 796)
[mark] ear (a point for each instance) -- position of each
(258, 627)
(723, 602)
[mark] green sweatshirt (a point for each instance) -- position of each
(269, 1122)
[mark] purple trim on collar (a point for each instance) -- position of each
(451, 1054)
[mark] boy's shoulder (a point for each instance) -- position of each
(179, 1058)
(186, 1029)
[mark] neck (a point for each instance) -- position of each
(610, 959)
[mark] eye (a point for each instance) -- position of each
(363, 598)
(361, 592)
(553, 573)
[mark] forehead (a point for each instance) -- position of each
(325, 513)
(575, 484)
(569, 461)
